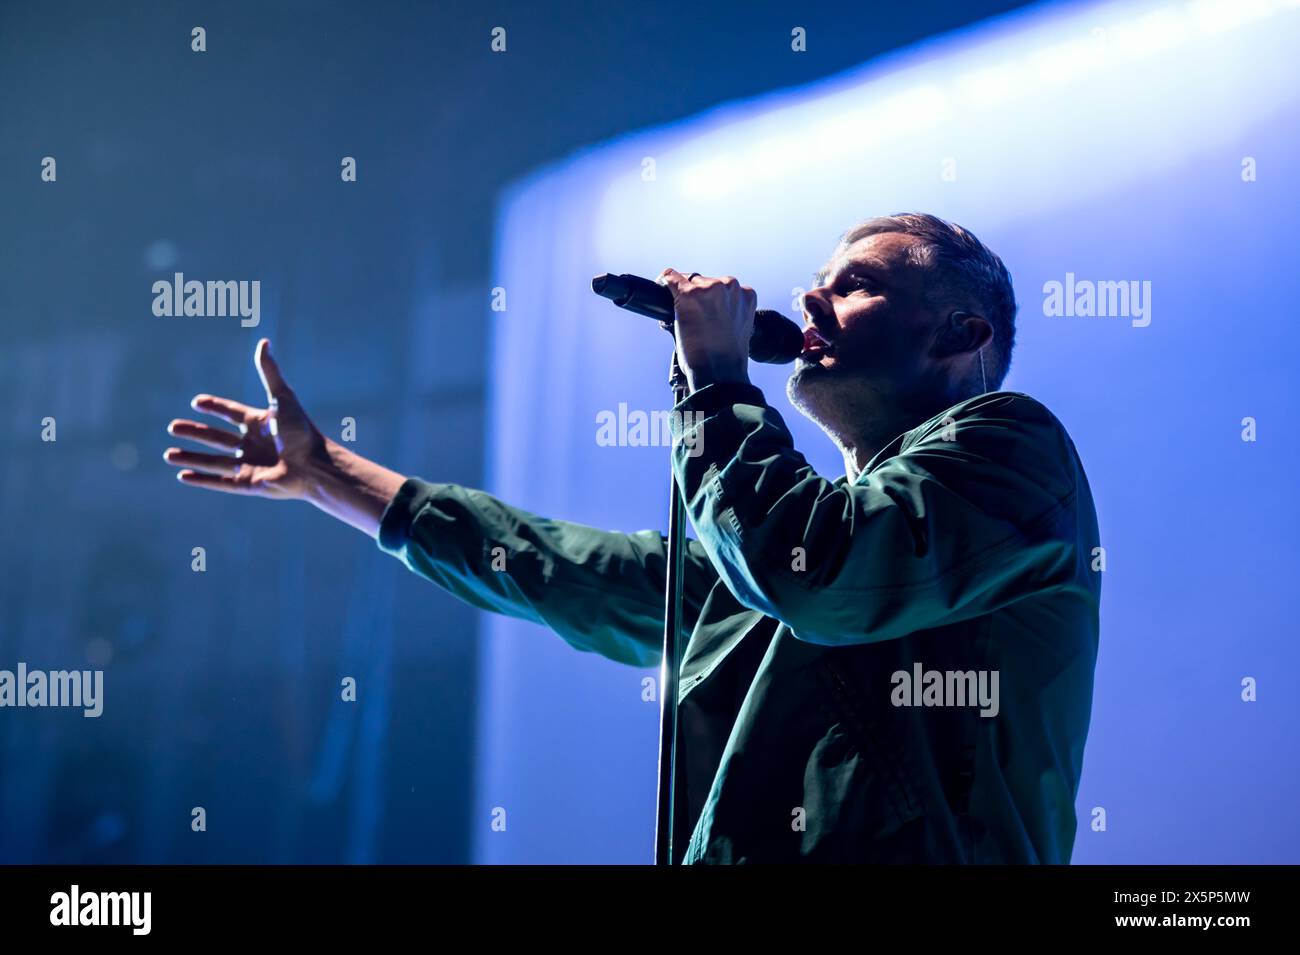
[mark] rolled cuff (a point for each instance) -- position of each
(395, 524)
(713, 398)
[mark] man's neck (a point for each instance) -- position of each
(875, 421)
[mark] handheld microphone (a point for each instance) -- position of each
(776, 340)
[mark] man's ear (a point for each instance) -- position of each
(964, 332)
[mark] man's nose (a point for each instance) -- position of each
(815, 306)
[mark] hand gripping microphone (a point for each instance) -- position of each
(776, 340)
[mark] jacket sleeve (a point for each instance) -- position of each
(973, 513)
(601, 591)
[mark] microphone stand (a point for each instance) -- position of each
(670, 667)
(775, 339)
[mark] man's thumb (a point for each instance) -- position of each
(274, 383)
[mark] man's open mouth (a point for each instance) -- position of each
(815, 345)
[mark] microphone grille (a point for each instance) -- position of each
(776, 340)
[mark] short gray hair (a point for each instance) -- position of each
(961, 267)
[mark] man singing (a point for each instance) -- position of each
(893, 665)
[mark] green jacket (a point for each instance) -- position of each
(810, 724)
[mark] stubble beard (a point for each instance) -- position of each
(812, 389)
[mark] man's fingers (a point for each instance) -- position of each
(676, 280)
(212, 482)
(212, 463)
(672, 279)
(223, 408)
(276, 387)
(204, 434)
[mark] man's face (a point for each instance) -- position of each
(866, 322)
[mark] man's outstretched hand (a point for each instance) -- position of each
(270, 455)
(277, 452)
